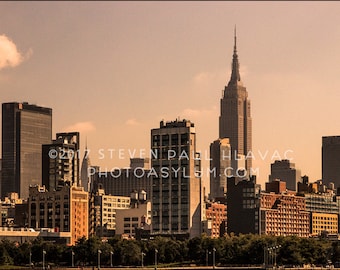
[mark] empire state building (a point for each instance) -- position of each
(235, 120)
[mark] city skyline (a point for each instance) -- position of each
(111, 70)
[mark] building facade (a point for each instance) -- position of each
(323, 222)
(60, 161)
(220, 164)
(176, 183)
(285, 171)
(25, 128)
(284, 214)
(324, 211)
(243, 201)
(235, 120)
(130, 221)
(103, 210)
(331, 160)
(64, 210)
(121, 182)
(216, 219)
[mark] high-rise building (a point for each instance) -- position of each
(85, 171)
(220, 164)
(235, 120)
(285, 171)
(25, 128)
(60, 161)
(331, 160)
(176, 183)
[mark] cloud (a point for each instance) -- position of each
(9, 54)
(132, 122)
(212, 77)
(80, 127)
(208, 77)
(189, 113)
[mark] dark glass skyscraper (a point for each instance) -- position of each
(235, 120)
(25, 128)
(331, 160)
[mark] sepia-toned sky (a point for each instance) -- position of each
(114, 70)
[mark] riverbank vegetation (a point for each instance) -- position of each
(229, 250)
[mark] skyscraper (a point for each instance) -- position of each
(25, 128)
(286, 172)
(60, 161)
(220, 165)
(235, 120)
(176, 185)
(331, 160)
(84, 171)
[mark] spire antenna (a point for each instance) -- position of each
(235, 72)
(235, 51)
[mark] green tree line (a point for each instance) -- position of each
(230, 250)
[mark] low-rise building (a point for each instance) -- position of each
(215, 221)
(284, 214)
(64, 210)
(137, 218)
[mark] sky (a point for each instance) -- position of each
(114, 70)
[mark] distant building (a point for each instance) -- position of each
(86, 172)
(25, 128)
(331, 160)
(243, 201)
(14, 211)
(285, 171)
(235, 120)
(60, 161)
(121, 182)
(220, 164)
(64, 210)
(103, 210)
(303, 187)
(143, 163)
(176, 195)
(276, 186)
(22, 235)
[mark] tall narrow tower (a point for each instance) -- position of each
(176, 195)
(85, 177)
(235, 120)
